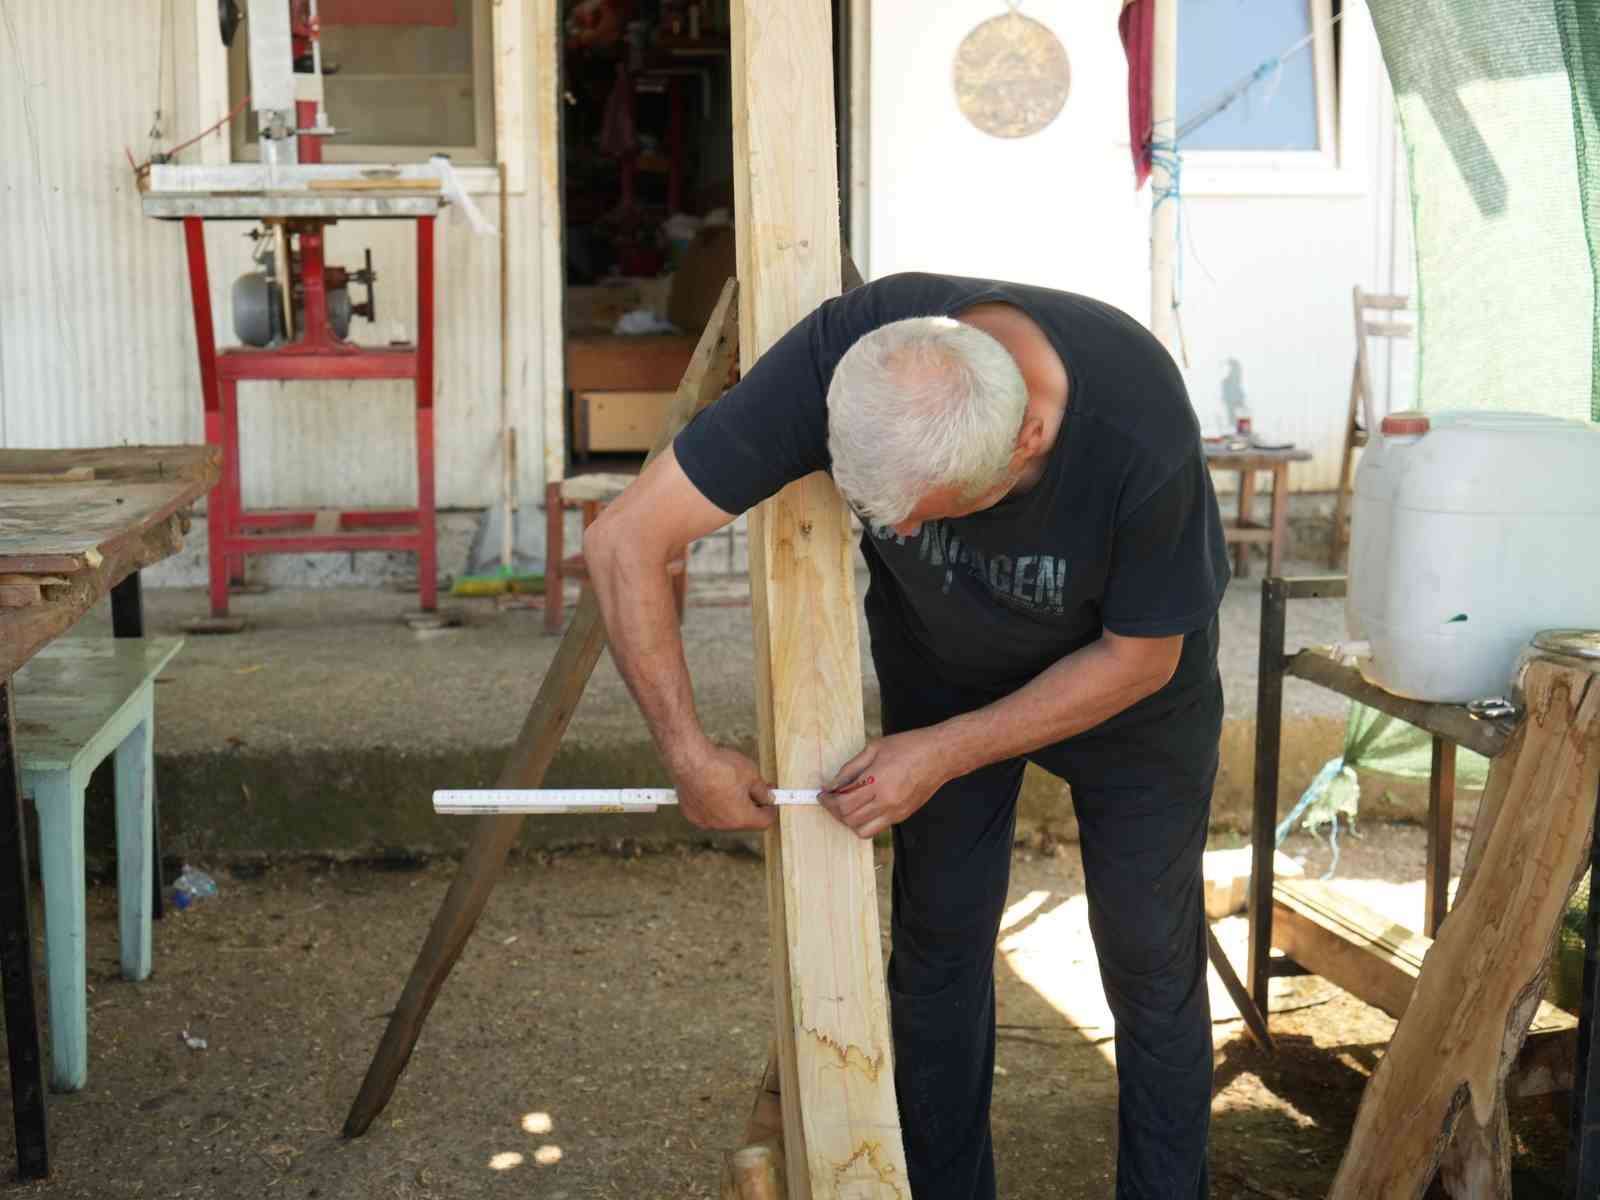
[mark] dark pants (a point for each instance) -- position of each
(1141, 857)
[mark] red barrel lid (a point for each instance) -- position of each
(1408, 423)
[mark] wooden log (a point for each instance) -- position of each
(841, 1131)
(1480, 983)
(525, 765)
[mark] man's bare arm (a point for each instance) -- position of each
(1087, 687)
(627, 551)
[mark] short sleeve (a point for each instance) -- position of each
(1169, 562)
(770, 429)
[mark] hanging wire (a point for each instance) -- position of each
(155, 135)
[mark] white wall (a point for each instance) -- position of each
(1268, 262)
(96, 331)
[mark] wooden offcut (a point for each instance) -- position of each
(1480, 984)
(841, 1131)
(613, 422)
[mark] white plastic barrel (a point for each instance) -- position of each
(1470, 532)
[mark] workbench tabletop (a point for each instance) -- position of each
(75, 523)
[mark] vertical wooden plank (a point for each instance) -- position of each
(1441, 829)
(841, 1124)
(546, 16)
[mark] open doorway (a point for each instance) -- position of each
(647, 203)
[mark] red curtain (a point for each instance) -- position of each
(1137, 26)
(387, 12)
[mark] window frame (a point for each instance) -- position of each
(506, 127)
(1341, 105)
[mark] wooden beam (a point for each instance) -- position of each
(841, 1123)
(530, 756)
(1480, 985)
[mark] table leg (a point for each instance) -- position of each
(127, 620)
(1280, 518)
(1441, 827)
(16, 961)
(1247, 504)
(554, 550)
(127, 608)
(1583, 1140)
(1264, 818)
(428, 556)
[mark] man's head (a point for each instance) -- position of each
(923, 421)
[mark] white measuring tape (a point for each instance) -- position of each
(478, 801)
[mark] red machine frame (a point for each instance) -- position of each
(315, 354)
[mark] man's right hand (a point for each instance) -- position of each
(722, 789)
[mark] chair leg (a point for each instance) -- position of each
(135, 775)
(554, 551)
(58, 797)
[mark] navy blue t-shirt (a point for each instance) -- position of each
(1121, 532)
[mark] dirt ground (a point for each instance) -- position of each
(602, 1034)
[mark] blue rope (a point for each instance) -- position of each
(1165, 156)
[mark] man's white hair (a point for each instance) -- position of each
(921, 404)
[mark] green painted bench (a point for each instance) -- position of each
(80, 700)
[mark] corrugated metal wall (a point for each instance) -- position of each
(96, 335)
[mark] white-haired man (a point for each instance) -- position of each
(1046, 563)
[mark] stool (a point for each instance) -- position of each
(590, 493)
(78, 701)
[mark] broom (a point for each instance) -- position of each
(506, 579)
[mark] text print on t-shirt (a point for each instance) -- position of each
(1033, 582)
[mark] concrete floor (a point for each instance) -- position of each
(323, 726)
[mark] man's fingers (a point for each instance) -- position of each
(852, 769)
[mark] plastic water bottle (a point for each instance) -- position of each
(192, 886)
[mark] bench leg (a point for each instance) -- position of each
(135, 776)
(58, 796)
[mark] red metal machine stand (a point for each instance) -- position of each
(315, 354)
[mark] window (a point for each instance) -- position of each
(400, 92)
(1289, 114)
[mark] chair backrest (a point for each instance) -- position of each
(1387, 326)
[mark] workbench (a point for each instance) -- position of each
(75, 526)
(1368, 955)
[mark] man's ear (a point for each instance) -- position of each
(1031, 437)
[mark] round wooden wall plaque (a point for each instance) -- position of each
(1011, 76)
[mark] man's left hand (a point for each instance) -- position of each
(886, 782)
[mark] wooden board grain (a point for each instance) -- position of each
(1480, 983)
(841, 1122)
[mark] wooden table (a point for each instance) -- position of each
(1242, 532)
(75, 525)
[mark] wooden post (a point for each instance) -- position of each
(841, 1124)
(1480, 983)
(1163, 204)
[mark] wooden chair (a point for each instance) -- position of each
(590, 493)
(1362, 418)
(79, 701)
